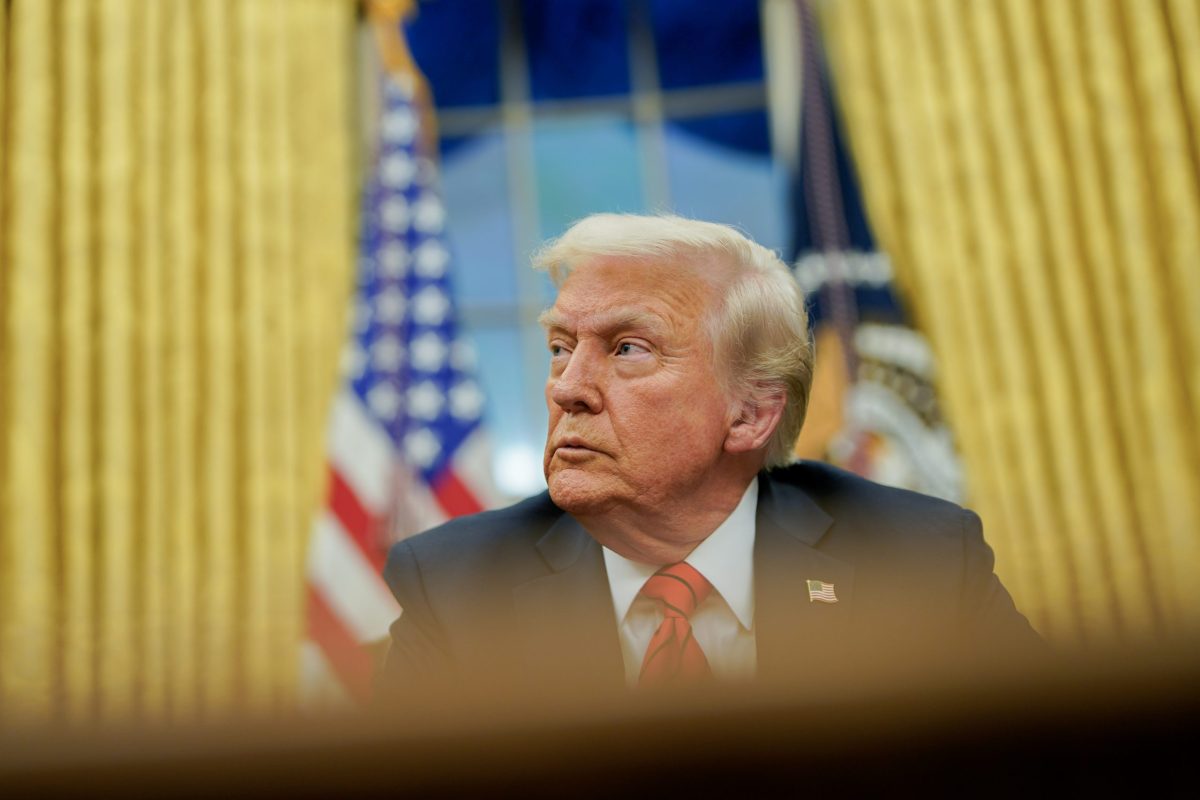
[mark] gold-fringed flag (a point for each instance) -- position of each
(874, 407)
(406, 449)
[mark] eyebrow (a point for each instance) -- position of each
(608, 322)
(550, 319)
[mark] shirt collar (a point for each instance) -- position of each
(725, 558)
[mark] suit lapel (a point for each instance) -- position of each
(566, 618)
(796, 636)
(569, 635)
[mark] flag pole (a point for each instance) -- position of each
(386, 18)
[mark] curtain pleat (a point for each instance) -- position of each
(177, 247)
(1032, 167)
(28, 577)
(217, 301)
(150, 261)
(114, 334)
(78, 528)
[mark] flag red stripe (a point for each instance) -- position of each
(349, 659)
(356, 520)
(453, 495)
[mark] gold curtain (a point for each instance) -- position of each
(1033, 167)
(177, 237)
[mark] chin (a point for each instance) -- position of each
(578, 493)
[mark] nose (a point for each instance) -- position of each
(577, 388)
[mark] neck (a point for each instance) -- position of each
(659, 535)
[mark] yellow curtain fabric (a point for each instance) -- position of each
(1034, 170)
(176, 224)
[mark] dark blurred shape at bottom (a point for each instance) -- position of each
(1101, 725)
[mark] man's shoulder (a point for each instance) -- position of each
(860, 505)
(901, 543)
(832, 487)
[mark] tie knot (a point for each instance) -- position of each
(680, 588)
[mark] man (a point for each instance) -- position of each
(677, 543)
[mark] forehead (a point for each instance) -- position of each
(621, 287)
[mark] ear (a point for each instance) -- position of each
(757, 418)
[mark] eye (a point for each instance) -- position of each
(557, 348)
(630, 349)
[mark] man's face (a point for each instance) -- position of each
(637, 414)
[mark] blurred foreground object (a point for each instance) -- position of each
(1081, 728)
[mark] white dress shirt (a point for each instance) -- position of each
(723, 624)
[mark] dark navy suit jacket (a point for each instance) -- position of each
(522, 592)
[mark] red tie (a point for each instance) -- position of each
(674, 656)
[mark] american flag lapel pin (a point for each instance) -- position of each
(821, 592)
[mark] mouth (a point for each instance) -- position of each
(572, 448)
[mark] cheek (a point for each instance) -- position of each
(699, 417)
(671, 422)
(553, 412)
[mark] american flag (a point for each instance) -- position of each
(406, 449)
(821, 592)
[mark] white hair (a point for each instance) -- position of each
(758, 330)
